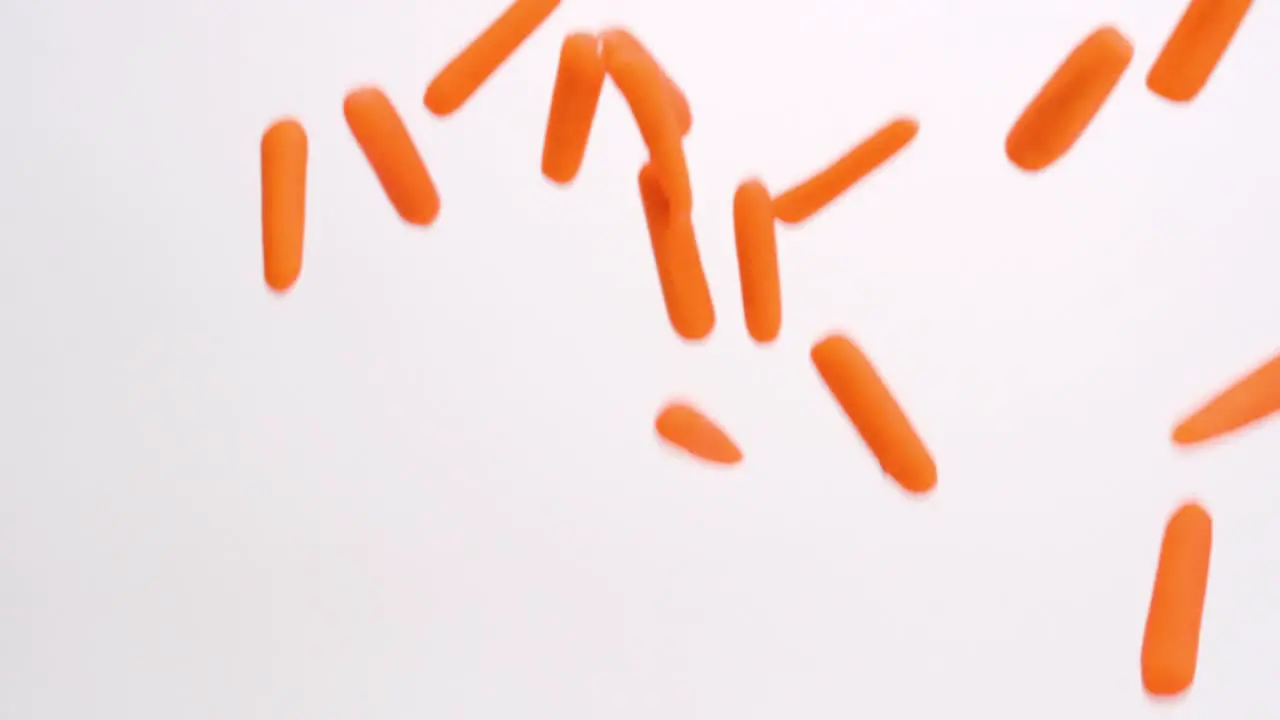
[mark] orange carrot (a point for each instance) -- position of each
(675, 253)
(806, 199)
(687, 428)
(1195, 48)
(1250, 399)
(1171, 641)
(1068, 102)
(385, 141)
(284, 202)
(862, 395)
(479, 60)
(757, 260)
(579, 81)
(621, 38)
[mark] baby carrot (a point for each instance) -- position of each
(675, 253)
(386, 144)
(579, 81)
(621, 38)
(1195, 48)
(862, 395)
(757, 260)
(1249, 400)
(284, 202)
(1068, 102)
(1171, 640)
(473, 66)
(695, 433)
(806, 199)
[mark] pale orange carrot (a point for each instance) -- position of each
(1171, 640)
(695, 433)
(1057, 117)
(675, 253)
(385, 140)
(1250, 399)
(579, 81)
(1195, 48)
(871, 408)
(479, 60)
(284, 202)
(620, 37)
(756, 241)
(806, 199)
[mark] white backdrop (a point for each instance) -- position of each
(425, 484)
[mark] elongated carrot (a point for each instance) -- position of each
(1057, 117)
(459, 80)
(685, 427)
(620, 37)
(1250, 399)
(871, 408)
(809, 197)
(675, 253)
(756, 241)
(1195, 48)
(385, 141)
(579, 81)
(284, 202)
(1171, 640)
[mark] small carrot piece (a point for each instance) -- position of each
(621, 38)
(1171, 641)
(1057, 117)
(685, 427)
(385, 140)
(869, 405)
(459, 80)
(579, 80)
(809, 197)
(1249, 400)
(675, 253)
(754, 235)
(284, 202)
(1195, 48)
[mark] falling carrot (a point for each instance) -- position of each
(1249, 400)
(385, 140)
(1195, 48)
(284, 202)
(579, 81)
(478, 61)
(1171, 641)
(622, 38)
(675, 253)
(757, 260)
(867, 402)
(1057, 117)
(695, 433)
(809, 197)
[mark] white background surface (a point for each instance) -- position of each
(425, 484)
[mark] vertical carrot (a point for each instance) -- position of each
(579, 81)
(284, 202)
(385, 141)
(871, 408)
(1250, 399)
(1195, 48)
(1068, 102)
(757, 260)
(688, 429)
(621, 38)
(478, 61)
(1171, 641)
(675, 253)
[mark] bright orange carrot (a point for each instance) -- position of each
(579, 81)
(619, 37)
(1171, 641)
(1068, 102)
(478, 61)
(806, 199)
(867, 402)
(385, 141)
(757, 260)
(1195, 48)
(284, 202)
(1250, 399)
(675, 253)
(687, 428)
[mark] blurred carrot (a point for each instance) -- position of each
(622, 38)
(579, 81)
(1171, 641)
(675, 253)
(385, 140)
(1250, 399)
(284, 201)
(1195, 48)
(687, 428)
(754, 235)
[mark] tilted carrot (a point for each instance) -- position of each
(1250, 399)
(675, 253)
(579, 81)
(385, 141)
(477, 62)
(754, 235)
(685, 427)
(1171, 641)
(1195, 48)
(284, 202)
(620, 38)
(1057, 117)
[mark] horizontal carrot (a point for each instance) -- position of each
(1057, 117)
(675, 253)
(579, 80)
(385, 140)
(459, 80)
(757, 246)
(1171, 641)
(1195, 48)
(284, 202)
(871, 408)
(1249, 400)
(679, 101)
(687, 428)
(809, 197)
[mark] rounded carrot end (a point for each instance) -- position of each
(1185, 434)
(1162, 681)
(280, 284)
(423, 215)
(285, 130)
(1170, 91)
(437, 100)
